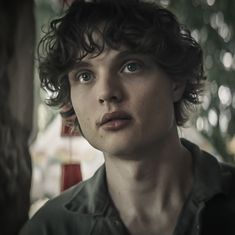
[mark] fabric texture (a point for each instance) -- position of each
(87, 208)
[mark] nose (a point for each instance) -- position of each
(110, 91)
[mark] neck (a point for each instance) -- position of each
(157, 181)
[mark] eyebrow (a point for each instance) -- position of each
(119, 56)
(128, 53)
(81, 63)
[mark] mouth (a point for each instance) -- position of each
(115, 119)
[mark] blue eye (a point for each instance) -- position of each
(132, 67)
(84, 77)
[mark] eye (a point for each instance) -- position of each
(84, 77)
(132, 67)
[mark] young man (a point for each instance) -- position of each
(130, 74)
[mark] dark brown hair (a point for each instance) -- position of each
(141, 26)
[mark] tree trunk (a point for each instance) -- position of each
(17, 36)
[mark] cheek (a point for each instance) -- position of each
(156, 106)
(84, 106)
(74, 98)
(78, 107)
(77, 102)
(83, 117)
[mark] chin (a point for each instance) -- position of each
(125, 152)
(114, 149)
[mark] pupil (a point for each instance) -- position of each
(85, 76)
(132, 67)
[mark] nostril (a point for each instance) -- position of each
(110, 99)
(114, 98)
(101, 101)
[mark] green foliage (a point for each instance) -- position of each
(212, 23)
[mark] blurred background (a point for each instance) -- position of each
(34, 144)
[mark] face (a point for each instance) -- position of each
(123, 101)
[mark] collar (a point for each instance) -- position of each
(91, 197)
(207, 174)
(207, 183)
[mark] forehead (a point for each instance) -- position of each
(99, 41)
(110, 56)
(108, 52)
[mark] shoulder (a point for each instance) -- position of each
(228, 178)
(226, 199)
(66, 213)
(219, 212)
(51, 215)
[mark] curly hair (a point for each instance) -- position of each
(141, 26)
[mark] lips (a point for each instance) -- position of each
(118, 115)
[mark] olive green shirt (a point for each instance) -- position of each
(87, 209)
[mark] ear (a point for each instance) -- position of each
(69, 121)
(69, 128)
(178, 88)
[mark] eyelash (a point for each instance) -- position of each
(138, 67)
(79, 74)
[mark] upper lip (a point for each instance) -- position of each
(112, 116)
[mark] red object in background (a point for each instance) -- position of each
(71, 175)
(67, 130)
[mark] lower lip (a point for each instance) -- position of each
(117, 124)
